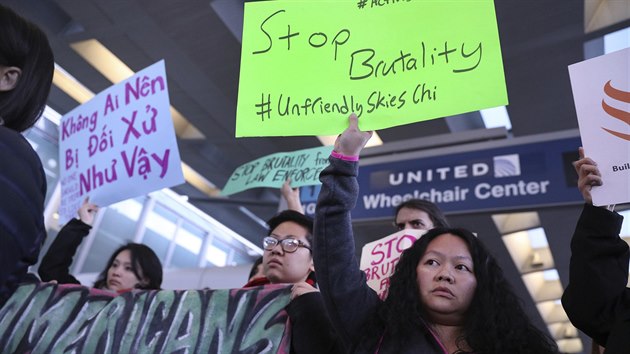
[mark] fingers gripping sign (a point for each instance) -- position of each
(352, 140)
(588, 175)
(87, 211)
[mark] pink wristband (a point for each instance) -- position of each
(337, 155)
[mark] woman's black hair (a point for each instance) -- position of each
(495, 321)
(434, 212)
(145, 264)
(293, 216)
(24, 45)
(254, 269)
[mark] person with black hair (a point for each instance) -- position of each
(288, 259)
(26, 71)
(597, 299)
(447, 293)
(257, 270)
(131, 266)
(418, 214)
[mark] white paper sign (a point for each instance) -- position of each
(601, 90)
(120, 144)
(379, 258)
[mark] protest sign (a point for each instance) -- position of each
(601, 91)
(305, 65)
(120, 144)
(68, 318)
(302, 166)
(379, 258)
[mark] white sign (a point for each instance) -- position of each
(379, 258)
(120, 144)
(601, 90)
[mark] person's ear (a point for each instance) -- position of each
(9, 77)
(312, 266)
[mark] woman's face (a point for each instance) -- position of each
(120, 276)
(446, 279)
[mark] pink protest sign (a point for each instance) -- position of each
(120, 144)
(379, 258)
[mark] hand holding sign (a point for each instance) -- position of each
(352, 140)
(588, 175)
(87, 211)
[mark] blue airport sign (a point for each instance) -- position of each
(511, 177)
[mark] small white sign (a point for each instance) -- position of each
(120, 144)
(601, 91)
(379, 258)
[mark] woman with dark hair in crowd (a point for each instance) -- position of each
(486, 316)
(131, 266)
(447, 294)
(26, 71)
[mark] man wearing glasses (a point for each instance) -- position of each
(288, 259)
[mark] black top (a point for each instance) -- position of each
(56, 262)
(22, 194)
(596, 299)
(351, 303)
(311, 329)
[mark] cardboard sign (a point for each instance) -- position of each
(120, 144)
(379, 258)
(601, 90)
(302, 166)
(306, 65)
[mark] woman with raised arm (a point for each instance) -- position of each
(447, 295)
(131, 266)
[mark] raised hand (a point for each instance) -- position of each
(352, 140)
(588, 175)
(292, 196)
(87, 211)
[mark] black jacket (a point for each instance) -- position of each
(56, 262)
(351, 303)
(596, 299)
(311, 329)
(22, 195)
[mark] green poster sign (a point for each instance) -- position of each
(302, 166)
(305, 65)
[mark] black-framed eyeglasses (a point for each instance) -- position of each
(288, 245)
